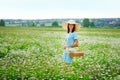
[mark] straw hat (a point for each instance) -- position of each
(65, 24)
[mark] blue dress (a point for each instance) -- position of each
(70, 39)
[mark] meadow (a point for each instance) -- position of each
(29, 53)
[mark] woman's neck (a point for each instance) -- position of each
(70, 30)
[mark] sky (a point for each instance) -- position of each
(52, 9)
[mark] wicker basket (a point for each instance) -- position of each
(76, 54)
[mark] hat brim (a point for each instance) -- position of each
(65, 24)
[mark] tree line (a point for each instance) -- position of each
(86, 22)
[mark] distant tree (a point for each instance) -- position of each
(92, 24)
(55, 23)
(42, 25)
(2, 22)
(86, 22)
(33, 24)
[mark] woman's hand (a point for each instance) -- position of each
(65, 47)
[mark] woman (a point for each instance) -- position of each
(71, 39)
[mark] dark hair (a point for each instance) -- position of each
(68, 30)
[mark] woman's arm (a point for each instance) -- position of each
(73, 45)
(76, 43)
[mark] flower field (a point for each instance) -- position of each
(28, 53)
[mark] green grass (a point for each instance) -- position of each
(35, 53)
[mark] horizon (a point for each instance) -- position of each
(59, 18)
(59, 9)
